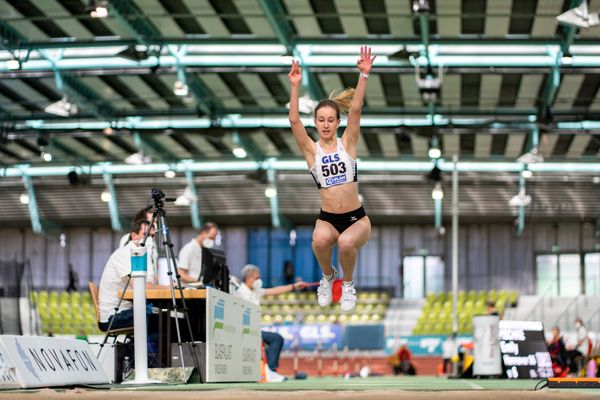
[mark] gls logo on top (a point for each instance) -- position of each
(330, 158)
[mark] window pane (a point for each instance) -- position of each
(413, 277)
(570, 273)
(547, 275)
(592, 274)
(434, 267)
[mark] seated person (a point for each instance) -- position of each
(190, 255)
(557, 350)
(251, 290)
(404, 365)
(114, 278)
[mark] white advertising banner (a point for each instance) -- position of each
(37, 361)
(232, 338)
(486, 351)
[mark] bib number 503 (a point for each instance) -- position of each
(333, 169)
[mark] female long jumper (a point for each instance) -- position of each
(332, 163)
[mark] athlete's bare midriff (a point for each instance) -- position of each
(340, 199)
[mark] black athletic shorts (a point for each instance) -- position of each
(341, 222)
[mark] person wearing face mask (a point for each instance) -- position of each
(252, 290)
(190, 255)
(114, 277)
(152, 251)
(581, 349)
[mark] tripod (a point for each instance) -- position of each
(164, 235)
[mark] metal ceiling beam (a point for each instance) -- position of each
(34, 214)
(437, 206)
(194, 209)
(569, 31)
(521, 210)
(69, 43)
(233, 122)
(133, 20)
(113, 205)
(553, 80)
(66, 84)
(248, 145)
(283, 29)
(79, 93)
(12, 40)
(274, 200)
(148, 35)
(533, 63)
(206, 99)
(150, 147)
(368, 165)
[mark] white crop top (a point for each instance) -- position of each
(334, 168)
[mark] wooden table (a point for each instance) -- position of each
(164, 301)
(165, 294)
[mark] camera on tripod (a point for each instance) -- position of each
(157, 195)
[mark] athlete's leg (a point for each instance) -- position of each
(324, 238)
(349, 242)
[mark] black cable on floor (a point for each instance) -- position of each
(545, 384)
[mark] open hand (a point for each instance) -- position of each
(295, 74)
(365, 62)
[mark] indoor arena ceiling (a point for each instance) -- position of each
(510, 80)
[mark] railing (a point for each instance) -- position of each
(540, 305)
(593, 322)
(594, 284)
(568, 315)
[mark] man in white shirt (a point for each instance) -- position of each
(189, 264)
(251, 290)
(151, 248)
(114, 278)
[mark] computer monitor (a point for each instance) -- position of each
(215, 272)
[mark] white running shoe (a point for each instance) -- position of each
(273, 376)
(325, 288)
(348, 299)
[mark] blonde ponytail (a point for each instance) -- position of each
(343, 98)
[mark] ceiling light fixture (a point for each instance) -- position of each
(62, 108)
(24, 198)
(105, 196)
(98, 9)
(239, 152)
(420, 6)
(186, 198)
(437, 193)
(434, 150)
(526, 174)
(306, 105)
(579, 17)
(46, 156)
(520, 199)
(270, 192)
(180, 88)
(13, 64)
(533, 156)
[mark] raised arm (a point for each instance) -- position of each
(364, 64)
(304, 142)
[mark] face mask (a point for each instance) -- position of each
(257, 285)
(208, 243)
(577, 325)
